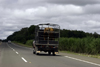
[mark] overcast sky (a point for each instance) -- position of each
(69, 14)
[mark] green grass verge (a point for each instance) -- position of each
(0, 43)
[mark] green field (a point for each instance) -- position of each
(88, 45)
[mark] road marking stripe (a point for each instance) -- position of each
(13, 50)
(83, 61)
(22, 46)
(17, 53)
(9, 46)
(24, 59)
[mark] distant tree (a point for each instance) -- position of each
(23, 35)
(95, 35)
(0, 40)
(29, 33)
(31, 29)
(72, 33)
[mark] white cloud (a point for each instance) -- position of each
(4, 34)
(59, 10)
(69, 14)
(48, 11)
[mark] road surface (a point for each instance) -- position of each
(12, 55)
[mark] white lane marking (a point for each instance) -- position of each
(9, 46)
(13, 49)
(17, 53)
(83, 61)
(24, 59)
(22, 46)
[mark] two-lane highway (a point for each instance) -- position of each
(12, 55)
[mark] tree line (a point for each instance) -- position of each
(23, 35)
(77, 34)
(28, 33)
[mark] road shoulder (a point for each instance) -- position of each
(82, 57)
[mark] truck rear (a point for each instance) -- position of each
(47, 38)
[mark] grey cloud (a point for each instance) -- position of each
(92, 9)
(21, 4)
(69, 14)
(4, 34)
(75, 2)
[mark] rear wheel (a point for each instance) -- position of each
(53, 53)
(37, 53)
(34, 51)
(49, 52)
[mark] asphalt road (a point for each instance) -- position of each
(12, 55)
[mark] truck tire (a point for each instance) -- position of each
(49, 52)
(34, 52)
(37, 53)
(53, 53)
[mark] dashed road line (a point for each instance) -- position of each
(13, 49)
(17, 53)
(22, 46)
(83, 61)
(24, 59)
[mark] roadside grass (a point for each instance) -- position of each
(69, 52)
(0, 43)
(22, 44)
(82, 54)
(88, 45)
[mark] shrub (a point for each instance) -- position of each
(29, 42)
(87, 45)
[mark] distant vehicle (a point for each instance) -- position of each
(46, 38)
(9, 41)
